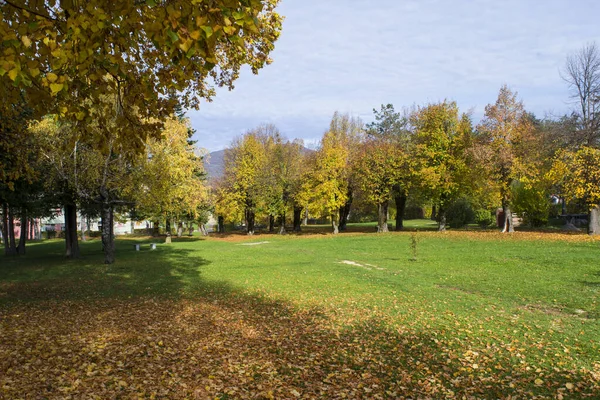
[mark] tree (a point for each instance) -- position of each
(332, 176)
(169, 177)
(378, 170)
(505, 137)
(578, 172)
(441, 138)
(394, 127)
(245, 160)
(582, 74)
(150, 54)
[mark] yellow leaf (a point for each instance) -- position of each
(26, 41)
(56, 87)
(185, 46)
(80, 115)
(538, 382)
(52, 77)
(195, 35)
(34, 72)
(12, 74)
(569, 386)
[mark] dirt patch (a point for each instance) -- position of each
(365, 265)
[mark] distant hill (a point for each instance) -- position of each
(214, 164)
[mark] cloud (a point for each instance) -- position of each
(354, 55)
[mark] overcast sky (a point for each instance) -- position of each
(354, 55)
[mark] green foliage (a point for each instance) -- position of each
(460, 213)
(484, 218)
(533, 202)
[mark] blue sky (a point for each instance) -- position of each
(354, 55)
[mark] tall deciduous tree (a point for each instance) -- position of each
(505, 137)
(582, 73)
(244, 163)
(332, 176)
(441, 137)
(393, 127)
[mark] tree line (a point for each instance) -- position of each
(430, 154)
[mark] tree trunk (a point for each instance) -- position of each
(434, 213)
(5, 238)
(305, 220)
(282, 224)
(108, 237)
(221, 224)
(168, 229)
(191, 228)
(12, 251)
(82, 227)
(594, 221)
(271, 223)
(441, 218)
(71, 242)
(334, 225)
(344, 214)
(180, 229)
(203, 230)
(508, 222)
(382, 216)
(24, 232)
(250, 221)
(400, 207)
(297, 218)
(155, 228)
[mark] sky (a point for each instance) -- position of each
(353, 56)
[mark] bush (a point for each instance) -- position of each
(533, 202)
(414, 212)
(484, 218)
(460, 213)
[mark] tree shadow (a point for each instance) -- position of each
(152, 326)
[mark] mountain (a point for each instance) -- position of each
(214, 164)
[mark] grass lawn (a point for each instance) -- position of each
(476, 315)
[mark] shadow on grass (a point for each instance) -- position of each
(150, 325)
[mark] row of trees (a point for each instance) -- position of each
(430, 154)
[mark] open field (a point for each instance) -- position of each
(477, 314)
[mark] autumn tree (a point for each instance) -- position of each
(333, 174)
(578, 172)
(378, 169)
(245, 160)
(393, 127)
(441, 140)
(168, 177)
(504, 146)
(151, 54)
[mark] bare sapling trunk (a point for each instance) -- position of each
(108, 236)
(297, 219)
(400, 200)
(594, 221)
(382, 216)
(24, 232)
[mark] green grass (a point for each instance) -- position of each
(523, 304)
